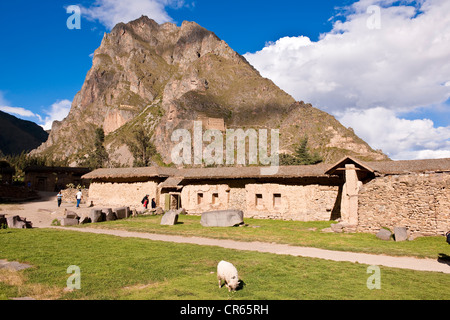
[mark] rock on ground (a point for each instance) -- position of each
(222, 218)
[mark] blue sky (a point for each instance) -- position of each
(385, 73)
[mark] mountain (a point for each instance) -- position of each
(164, 77)
(17, 135)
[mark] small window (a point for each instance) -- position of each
(277, 200)
(215, 198)
(259, 199)
(199, 198)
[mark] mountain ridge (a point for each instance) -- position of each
(17, 135)
(165, 77)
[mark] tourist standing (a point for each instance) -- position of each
(79, 196)
(59, 198)
(145, 201)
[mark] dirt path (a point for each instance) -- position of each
(369, 259)
(43, 211)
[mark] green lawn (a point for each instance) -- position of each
(130, 268)
(287, 232)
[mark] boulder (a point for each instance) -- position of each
(336, 227)
(159, 210)
(170, 218)
(222, 218)
(181, 211)
(96, 215)
(384, 234)
(16, 222)
(400, 233)
(71, 215)
(122, 212)
(109, 214)
(69, 222)
(84, 219)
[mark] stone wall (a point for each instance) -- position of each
(196, 199)
(420, 202)
(291, 202)
(69, 195)
(121, 194)
(263, 200)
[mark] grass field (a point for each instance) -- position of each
(287, 232)
(129, 268)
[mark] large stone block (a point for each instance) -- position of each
(71, 215)
(170, 218)
(84, 219)
(16, 222)
(109, 214)
(384, 234)
(69, 222)
(400, 233)
(96, 215)
(122, 212)
(222, 218)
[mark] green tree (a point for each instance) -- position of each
(301, 156)
(141, 147)
(99, 157)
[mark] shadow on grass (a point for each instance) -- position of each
(443, 258)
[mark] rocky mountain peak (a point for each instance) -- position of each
(165, 77)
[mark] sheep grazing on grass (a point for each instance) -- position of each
(228, 273)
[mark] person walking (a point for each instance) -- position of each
(79, 196)
(59, 198)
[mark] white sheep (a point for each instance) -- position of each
(228, 273)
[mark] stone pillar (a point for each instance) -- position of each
(349, 203)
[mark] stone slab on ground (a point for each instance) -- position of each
(16, 222)
(122, 212)
(69, 222)
(400, 233)
(96, 215)
(384, 234)
(170, 218)
(222, 218)
(13, 265)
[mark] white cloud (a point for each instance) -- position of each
(398, 138)
(58, 111)
(20, 112)
(403, 65)
(111, 12)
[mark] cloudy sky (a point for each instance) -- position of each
(381, 67)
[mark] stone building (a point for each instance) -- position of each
(365, 195)
(53, 179)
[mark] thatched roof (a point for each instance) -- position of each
(207, 173)
(129, 173)
(171, 182)
(394, 167)
(318, 170)
(411, 166)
